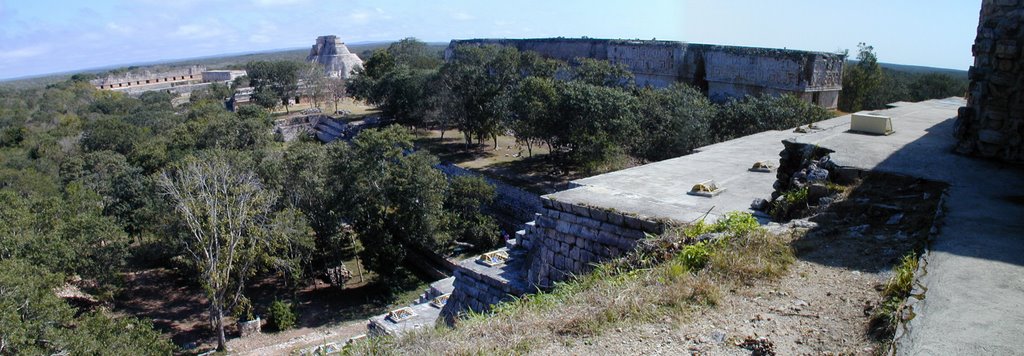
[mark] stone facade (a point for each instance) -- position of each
(722, 72)
(564, 240)
(124, 82)
(992, 123)
(330, 52)
(569, 239)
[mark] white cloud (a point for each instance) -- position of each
(363, 16)
(266, 33)
(208, 29)
(277, 2)
(120, 29)
(462, 16)
(24, 52)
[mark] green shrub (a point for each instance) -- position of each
(885, 318)
(281, 316)
(696, 256)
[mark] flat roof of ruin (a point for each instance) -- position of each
(658, 190)
(655, 42)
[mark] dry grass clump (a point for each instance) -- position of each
(668, 276)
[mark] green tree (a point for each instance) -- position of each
(596, 124)
(757, 114)
(936, 86)
(34, 320)
(397, 80)
(393, 198)
(291, 246)
(226, 210)
(466, 198)
(860, 80)
(602, 73)
(50, 231)
(532, 114)
(472, 86)
(676, 120)
(274, 82)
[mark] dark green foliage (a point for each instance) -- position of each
(472, 87)
(532, 114)
(398, 80)
(281, 316)
(274, 83)
(50, 232)
(867, 85)
(112, 134)
(861, 80)
(675, 121)
(601, 73)
(756, 114)
(33, 320)
(596, 124)
(466, 198)
(394, 198)
(291, 246)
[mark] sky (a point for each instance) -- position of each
(49, 36)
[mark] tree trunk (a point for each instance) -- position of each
(529, 148)
(495, 138)
(222, 342)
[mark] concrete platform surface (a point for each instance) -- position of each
(974, 303)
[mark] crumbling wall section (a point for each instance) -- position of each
(569, 239)
(992, 123)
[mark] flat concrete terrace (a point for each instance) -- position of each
(424, 315)
(974, 274)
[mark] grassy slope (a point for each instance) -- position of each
(660, 280)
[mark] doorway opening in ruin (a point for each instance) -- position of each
(816, 98)
(700, 76)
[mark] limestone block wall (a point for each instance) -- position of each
(721, 71)
(145, 78)
(516, 202)
(992, 123)
(477, 287)
(568, 239)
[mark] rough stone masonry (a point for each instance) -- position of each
(992, 123)
(721, 72)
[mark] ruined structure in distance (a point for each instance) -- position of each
(331, 53)
(721, 72)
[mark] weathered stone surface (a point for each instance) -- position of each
(331, 53)
(983, 127)
(725, 71)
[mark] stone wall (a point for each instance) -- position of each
(477, 286)
(992, 123)
(722, 72)
(515, 202)
(146, 77)
(569, 239)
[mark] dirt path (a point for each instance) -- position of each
(285, 342)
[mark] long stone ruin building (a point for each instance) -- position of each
(992, 123)
(176, 81)
(721, 72)
(331, 52)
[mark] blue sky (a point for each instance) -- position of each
(46, 36)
